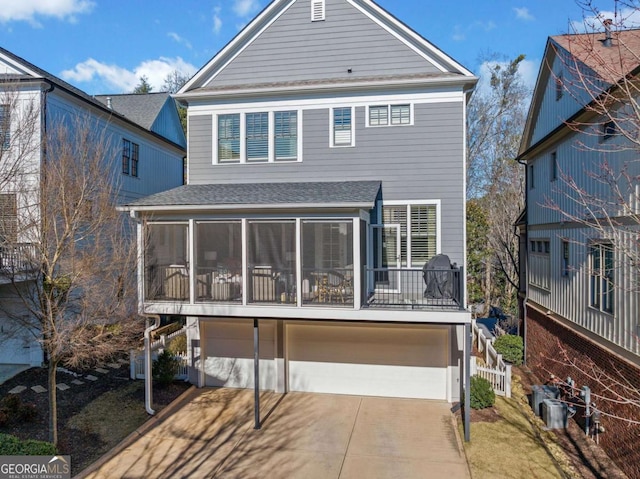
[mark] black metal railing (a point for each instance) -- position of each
(327, 287)
(218, 285)
(272, 285)
(414, 288)
(18, 258)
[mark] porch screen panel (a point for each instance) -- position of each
(219, 261)
(271, 261)
(166, 262)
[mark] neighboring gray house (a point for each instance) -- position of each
(579, 232)
(326, 147)
(147, 142)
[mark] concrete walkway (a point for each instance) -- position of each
(303, 436)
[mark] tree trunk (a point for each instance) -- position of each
(53, 407)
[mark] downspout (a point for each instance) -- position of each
(148, 384)
(526, 262)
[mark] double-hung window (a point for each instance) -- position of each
(229, 138)
(258, 137)
(342, 127)
(601, 279)
(286, 135)
(418, 231)
(389, 115)
(126, 156)
(5, 127)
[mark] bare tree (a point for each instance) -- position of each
(74, 285)
(496, 120)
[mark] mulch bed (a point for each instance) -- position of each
(82, 446)
(585, 455)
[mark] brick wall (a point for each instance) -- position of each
(552, 347)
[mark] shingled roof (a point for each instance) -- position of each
(610, 63)
(140, 108)
(261, 195)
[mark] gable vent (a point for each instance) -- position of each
(317, 10)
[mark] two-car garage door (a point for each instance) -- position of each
(340, 358)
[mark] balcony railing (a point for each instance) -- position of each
(392, 288)
(414, 288)
(17, 259)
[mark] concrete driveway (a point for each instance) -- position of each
(303, 436)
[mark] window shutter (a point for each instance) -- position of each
(317, 10)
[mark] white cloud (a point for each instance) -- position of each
(178, 39)
(458, 34)
(122, 80)
(523, 13)
(217, 21)
(244, 8)
(28, 10)
(625, 18)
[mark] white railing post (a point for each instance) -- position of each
(132, 363)
(507, 381)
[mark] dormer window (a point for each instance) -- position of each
(317, 10)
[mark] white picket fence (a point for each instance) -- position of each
(136, 357)
(495, 370)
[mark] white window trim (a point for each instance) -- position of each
(353, 129)
(243, 136)
(389, 105)
(408, 204)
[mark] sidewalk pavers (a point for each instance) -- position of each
(102, 370)
(63, 386)
(77, 382)
(89, 377)
(38, 389)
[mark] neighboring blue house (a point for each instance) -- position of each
(144, 132)
(326, 147)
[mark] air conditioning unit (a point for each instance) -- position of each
(539, 393)
(554, 414)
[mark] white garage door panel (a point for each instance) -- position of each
(229, 354)
(374, 361)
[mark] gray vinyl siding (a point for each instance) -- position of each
(299, 49)
(167, 124)
(553, 112)
(569, 296)
(420, 162)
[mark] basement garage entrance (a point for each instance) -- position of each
(368, 360)
(229, 358)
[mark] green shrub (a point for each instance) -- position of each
(178, 345)
(165, 368)
(511, 347)
(12, 446)
(482, 395)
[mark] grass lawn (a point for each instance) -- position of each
(512, 444)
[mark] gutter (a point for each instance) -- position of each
(273, 206)
(148, 380)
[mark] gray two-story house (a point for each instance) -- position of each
(326, 168)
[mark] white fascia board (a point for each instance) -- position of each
(18, 66)
(445, 95)
(246, 36)
(279, 206)
(426, 45)
(329, 88)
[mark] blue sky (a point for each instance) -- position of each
(104, 46)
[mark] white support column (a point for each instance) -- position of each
(245, 268)
(141, 271)
(192, 263)
(299, 262)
